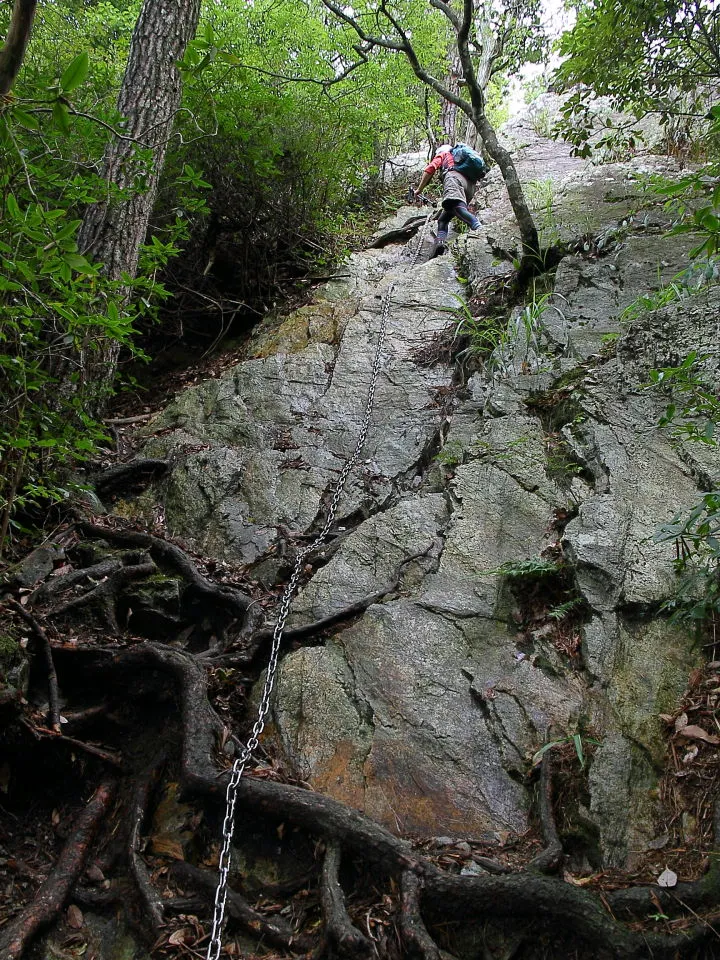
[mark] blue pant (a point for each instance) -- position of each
(459, 210)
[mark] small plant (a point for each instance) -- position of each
(451, 454)
(533, 569)
(693, 417)
(576, 739)
(519, 348)
(563, 609)
(542, 123)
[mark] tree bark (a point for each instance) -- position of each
(18, 36)
(113, 231)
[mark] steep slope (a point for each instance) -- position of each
(424, 711)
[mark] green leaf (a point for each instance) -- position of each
(78, 262)
(25, 119)
(61, 116)
(12, 207)
(75, 73)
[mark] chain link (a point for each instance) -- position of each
(249, 748)
(238, 767)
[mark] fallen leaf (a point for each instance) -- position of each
(697, 733)
(690, 755)
(163, 846)
(74, 917)
(94, 874)
(681, 722)
(667, 878)
(180, 936)
(55, 818)
(659, 842)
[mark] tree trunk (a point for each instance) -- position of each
(13, 51)
(113, 231)
(528, 230)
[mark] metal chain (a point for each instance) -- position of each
(238, 767)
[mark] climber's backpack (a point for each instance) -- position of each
(468, 162)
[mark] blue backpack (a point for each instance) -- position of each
(468, 162)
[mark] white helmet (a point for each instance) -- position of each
(443, 148)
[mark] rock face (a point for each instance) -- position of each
(476, 514)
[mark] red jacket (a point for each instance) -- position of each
(442, 161)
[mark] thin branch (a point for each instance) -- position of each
(359, 30)
(449, 13)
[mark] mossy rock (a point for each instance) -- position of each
(316, 323)
(14, 664)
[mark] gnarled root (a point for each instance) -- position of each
(53, 893)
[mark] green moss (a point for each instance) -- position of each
(9, 651)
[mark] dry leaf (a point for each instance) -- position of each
(94, 874)
(180, 936)
(74, 917)
(681, 722)
(668, 878)
(55, 818)
(659, 842)
(163, 846)
(697, 733)
(690, 755)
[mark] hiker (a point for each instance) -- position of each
(460, 168)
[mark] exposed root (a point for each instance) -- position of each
(96, 572)
(53, 893)
(551, 858)
(107, 593)
(275, 931)
(342, 935)
(53, 695)
(419, 942)
(260, 637)
(90, 748)
(152, 903)
(162, 551)
(123, 475)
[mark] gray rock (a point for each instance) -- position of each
(425, 710)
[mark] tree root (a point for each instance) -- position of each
(260, 637)
(90, 748)
(346, 939)
(53, 893)
(141, 799)
(419, 942)
(106, 594)
(429, 896)
(162, 551)
(98, 571)
(551, 858)
(53, 694)
(560, 905)
(275, 931)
